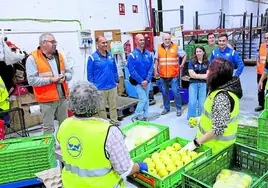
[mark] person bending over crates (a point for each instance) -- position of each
(219, 121)
(93, 151)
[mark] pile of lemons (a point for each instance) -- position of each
(169, 160)
(228, 178)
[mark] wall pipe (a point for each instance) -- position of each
(258, 13)
(244, 35)
(40, 20)
(151, 14)
(160, 15)
(250, 34)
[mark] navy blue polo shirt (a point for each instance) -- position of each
(198, 69)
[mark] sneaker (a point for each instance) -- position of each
(144, 119)
(164, 112)
(178, 112)
(259, 108)
(135, 119)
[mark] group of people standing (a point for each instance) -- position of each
(167, 67)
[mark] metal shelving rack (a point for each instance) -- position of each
(242, 30)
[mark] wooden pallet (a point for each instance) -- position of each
(125, 106)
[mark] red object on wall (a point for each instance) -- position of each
(122, 10)
(135, 8)
(148, 40)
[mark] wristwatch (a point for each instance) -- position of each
(196, 143)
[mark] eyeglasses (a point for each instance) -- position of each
(265, 37)
(52, 42)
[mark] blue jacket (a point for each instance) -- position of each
(140, 65)
(102, 71)
(230, 55)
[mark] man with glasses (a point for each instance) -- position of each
(262, 70)
(227, 53)
(102, 72)
(167, 67)
(47, 74)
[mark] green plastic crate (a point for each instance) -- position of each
(25, 157)
(263, 142)
(236, 157)
(247, 125)
(266, 102)
(18, 174)
(174, 179)
(159, 138)
(263, 182)
(263, 122)
(251, 141)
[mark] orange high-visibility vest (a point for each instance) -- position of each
(168, 61)
(263, 54)
(47, 93)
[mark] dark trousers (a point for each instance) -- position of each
(261, 94)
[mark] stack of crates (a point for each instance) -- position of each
(247, 132)
(22, 158)
(189, 49)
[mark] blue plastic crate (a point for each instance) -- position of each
(183, 92)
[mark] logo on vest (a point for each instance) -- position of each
(172, 50)
(74, 147)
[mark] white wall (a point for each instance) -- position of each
(93, 14)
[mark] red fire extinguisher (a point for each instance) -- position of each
(127, 47)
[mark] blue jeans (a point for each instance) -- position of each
(197, 96)
(175, 89)
(143, 104)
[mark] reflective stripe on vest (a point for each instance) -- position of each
(45, 74)
(210, 116)
(86, 173)
(222, 138)
(2, 86)
(168, 59)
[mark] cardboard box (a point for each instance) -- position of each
(30, 121)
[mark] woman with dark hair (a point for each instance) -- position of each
(218, 122)
(197, 69)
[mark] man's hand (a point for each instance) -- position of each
(156, 73)
(260, 85)
(62, 76)
(56, 79)
(144, 84)
(117, 84)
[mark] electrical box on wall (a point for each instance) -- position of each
(85, 39)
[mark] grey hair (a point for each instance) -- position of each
(84, 99)
(43, 37)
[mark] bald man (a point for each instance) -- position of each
(168, 68)
(262, 69)
(140, 65)
(102, 72)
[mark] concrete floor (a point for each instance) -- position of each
(179, 126)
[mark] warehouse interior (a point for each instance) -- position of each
(31, 157)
